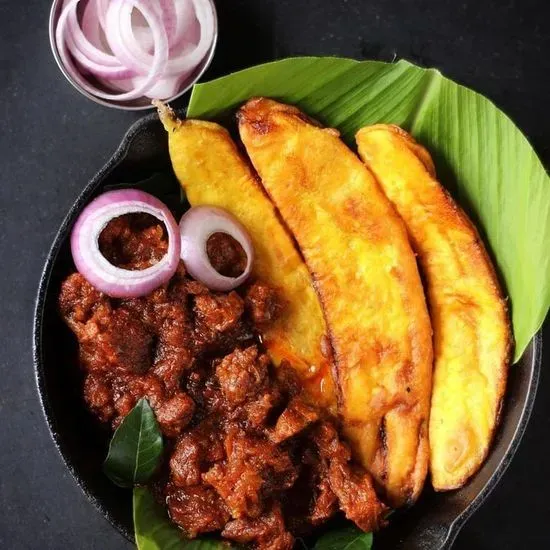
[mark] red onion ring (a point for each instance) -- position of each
(102, 7)
(90, 262)
(157, 67)
(167, 10)
(197, 225)
(185, 16)
(151, 54)
(86, 54)
(83, 45)
(104, 71)
(128, 47)
(91, 24)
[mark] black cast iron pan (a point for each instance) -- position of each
(432, 524)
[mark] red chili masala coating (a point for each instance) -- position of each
(247, 455)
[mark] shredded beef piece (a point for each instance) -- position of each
(262, 304)
(175, 413)
(352, 485)
(324, 503)
(196, 509)
(241, 492)
(243, 443)
(133, 241)
(295, 418)
(177, 291)
(328, 443)
(195, 288)
(99, 397)
(242, 374)
(218, 312)
(175, 346)
(254, 469)
(173, 325)
(79, 301)
(311, 501)
(356, 495)
(203, 387)
(219, 323)
(110, 339)
(170, 366)
(256, 413)
(226, 255)
(148, 386)
(211, 436)
(115, 341)
(267, 532)
(195, 452)
(128, 389)
(186, 461)
(194, 385)
(288, 380)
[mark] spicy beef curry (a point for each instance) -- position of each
(248, 455)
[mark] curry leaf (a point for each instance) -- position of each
(481, 156)
(136, 447)
(154, 530)
(347, 538)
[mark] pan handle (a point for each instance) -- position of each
(427, 533)
(432, 537)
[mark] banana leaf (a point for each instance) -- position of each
(481, 156)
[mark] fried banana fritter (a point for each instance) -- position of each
(472, 337)
(211, 170)
(365, 272)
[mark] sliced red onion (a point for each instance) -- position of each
(156, 68)
(167, 10)
(90, 262)
(91, 25)
(164, 88)
(97, 69)
(123, 85)
(83, 45)
(86, 54)
(144, 47)
(197, 225)
(102, 7)
(144, 37)
(191, 58)
(115, 26)
(185, 16)
(128, 47)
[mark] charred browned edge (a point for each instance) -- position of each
(259, 122)
(383, 439)
(423, 445)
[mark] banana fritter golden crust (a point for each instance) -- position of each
(472, 337)
(211, 170)
(365, 272)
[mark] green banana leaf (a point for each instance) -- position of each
(481, 156)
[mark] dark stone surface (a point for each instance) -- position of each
(52, 140)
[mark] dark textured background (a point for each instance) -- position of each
(52, 140)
